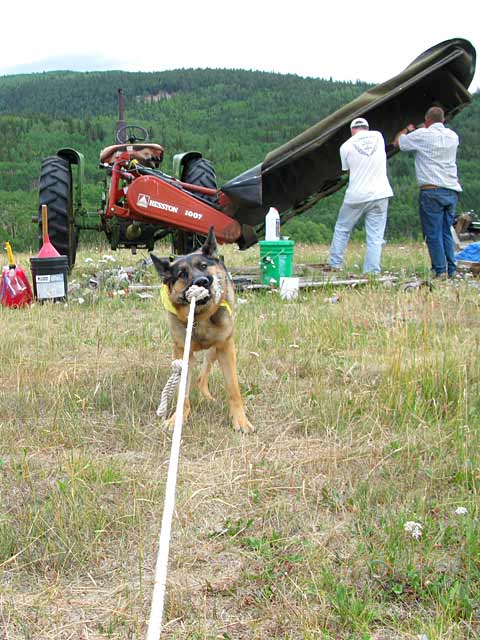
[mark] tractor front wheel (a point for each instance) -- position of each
(55, 190)
(198, 171)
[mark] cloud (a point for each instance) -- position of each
(89, 62)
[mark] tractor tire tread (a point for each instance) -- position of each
(55, 190)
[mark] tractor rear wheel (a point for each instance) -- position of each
(55, 190)
(198, 171)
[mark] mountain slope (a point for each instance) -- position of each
(233, 117)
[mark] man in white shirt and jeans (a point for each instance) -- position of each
(435, 150)
(368, 191)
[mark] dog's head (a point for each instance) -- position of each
(201, 268)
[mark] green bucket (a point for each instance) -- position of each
(276, 260)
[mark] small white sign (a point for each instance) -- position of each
(50, 286)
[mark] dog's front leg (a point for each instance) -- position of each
(227, 359)
(209, 358)
(178, 355)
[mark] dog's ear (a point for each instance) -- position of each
(162, 265)
(210, 248)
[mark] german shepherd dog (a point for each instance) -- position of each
(213, 323)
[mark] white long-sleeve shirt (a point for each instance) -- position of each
(435, 149)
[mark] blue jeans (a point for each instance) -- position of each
(375, 221)
(437, 211)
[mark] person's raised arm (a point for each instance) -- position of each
(408, 129)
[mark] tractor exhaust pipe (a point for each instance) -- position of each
(121, 118)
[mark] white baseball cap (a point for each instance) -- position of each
(358, 122)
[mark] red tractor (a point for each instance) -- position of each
(142, 203)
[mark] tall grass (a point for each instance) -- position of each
(366, 407)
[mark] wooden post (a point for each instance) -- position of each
(44, 223)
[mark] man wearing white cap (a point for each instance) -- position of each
(368, 191)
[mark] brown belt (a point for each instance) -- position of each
(429, 186)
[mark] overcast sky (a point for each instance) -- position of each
(370, 41)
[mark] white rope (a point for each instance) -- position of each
(196, 292)
(193, 292)
(169, 388)
(158, 598)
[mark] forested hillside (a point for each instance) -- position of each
(233, 117)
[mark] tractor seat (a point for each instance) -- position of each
(148, 154)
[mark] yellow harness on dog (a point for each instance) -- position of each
(167, 303)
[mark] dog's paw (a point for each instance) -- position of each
(169, 423)
(243, 425)
(207, 395)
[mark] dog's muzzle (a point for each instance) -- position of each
(206, 283)
(203, 281)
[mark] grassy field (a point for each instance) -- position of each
(366, 403)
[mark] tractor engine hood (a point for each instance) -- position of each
(296, 175)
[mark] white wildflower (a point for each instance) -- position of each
(414, 529)
(461, 511)
(81, 300)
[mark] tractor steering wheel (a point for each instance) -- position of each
(128, 133)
